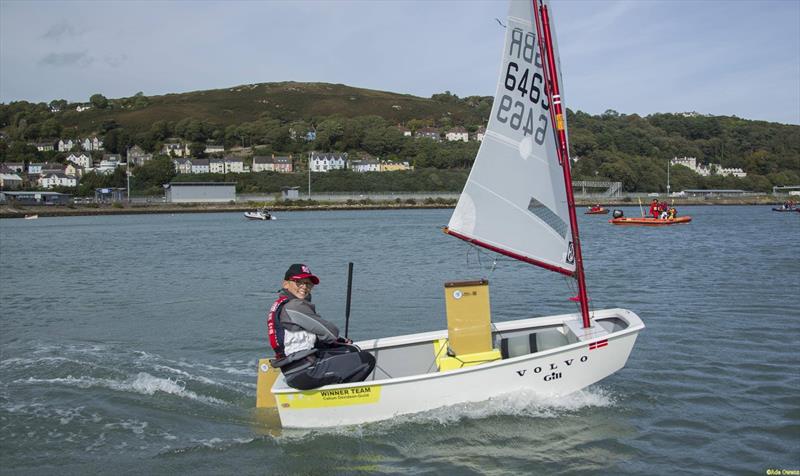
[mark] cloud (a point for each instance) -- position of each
(115, 61)
(67, 59)
(61, 30)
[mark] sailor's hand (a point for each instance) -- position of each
(344, 340)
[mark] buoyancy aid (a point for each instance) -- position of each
(274, 326)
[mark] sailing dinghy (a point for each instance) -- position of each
(517, 203)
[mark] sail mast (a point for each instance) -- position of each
(543, 31)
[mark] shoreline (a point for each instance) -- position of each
(10, 211)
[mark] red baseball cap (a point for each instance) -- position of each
(300, 271)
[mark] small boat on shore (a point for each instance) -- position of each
(596, 211)
(649, 221)
(259, 215)
(31, 217)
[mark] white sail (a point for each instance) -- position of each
(514, 201)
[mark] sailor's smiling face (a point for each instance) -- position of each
(299, 287)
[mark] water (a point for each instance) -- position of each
(129, 344)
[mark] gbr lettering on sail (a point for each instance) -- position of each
(523, 102)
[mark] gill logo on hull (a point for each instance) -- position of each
(553, 368)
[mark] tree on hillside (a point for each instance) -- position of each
(197, 149)
(58, 104)
(329, 134)
(50, 128)
(99, 101)
(154, 173)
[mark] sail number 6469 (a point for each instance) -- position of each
(516, 115)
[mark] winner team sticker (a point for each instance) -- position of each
(331, 398)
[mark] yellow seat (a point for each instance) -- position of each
(447, 362)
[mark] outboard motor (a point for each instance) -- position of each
(618, 213)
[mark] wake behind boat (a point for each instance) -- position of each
(517, 203)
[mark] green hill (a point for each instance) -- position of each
(287, 102)
(273, 118)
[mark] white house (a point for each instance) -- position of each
(228, 165)
(706, 170)
(109, 163)
(92, 144)
(183, 166)
(367, 164)
(480, 133)
(175, 148)
(234, 165)
(34, 168)
(66, 145)
(216, 166)
(84, 160)
(457, 133)
(56, 179)
(199, 166)
(736, 172)
(326, 161)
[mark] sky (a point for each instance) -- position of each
(719, 57)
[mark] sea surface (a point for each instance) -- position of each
(128, 345)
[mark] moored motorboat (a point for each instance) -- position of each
(259, 215)
(31, 217)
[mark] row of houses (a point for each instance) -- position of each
(66, 145)
(177, 148)
(706, 170)
(47, 180)
(318, 162)
(49, 175)
(457, 133)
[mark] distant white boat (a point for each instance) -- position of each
(259, 215)
(31, 217)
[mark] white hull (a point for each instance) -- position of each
(258, 216)
(396, 388)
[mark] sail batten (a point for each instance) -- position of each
(514, 201)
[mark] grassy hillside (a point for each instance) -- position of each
(286, 101)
